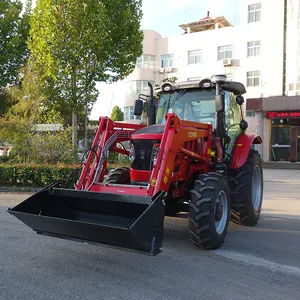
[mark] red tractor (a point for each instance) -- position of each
(194, 156)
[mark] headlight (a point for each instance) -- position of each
(131, 153)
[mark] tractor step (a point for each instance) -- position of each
(121, 221)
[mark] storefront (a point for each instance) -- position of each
(280, 126)
(285, 136)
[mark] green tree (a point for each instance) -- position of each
(14, 30)
(74, 44)
(117, 114)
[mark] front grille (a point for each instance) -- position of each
(143, 153)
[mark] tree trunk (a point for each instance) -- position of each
(74, 127)
(74, 103)
(86, 131)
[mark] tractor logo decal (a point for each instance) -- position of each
(192, 134)
(153, 183)
(165, 179)
(167, 171)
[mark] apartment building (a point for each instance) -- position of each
(261, 52)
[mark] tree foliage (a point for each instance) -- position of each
(117, 114)
(14, 29)
(52, 147)
(74, 44)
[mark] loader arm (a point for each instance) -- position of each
(176, 133)
(108, 134)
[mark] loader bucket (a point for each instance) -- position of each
(122, 221)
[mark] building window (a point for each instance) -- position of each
(145, 62)
(142, 86)
(225, 52)
(254, 48)
(253, 78)
(194, 57)
(167, 60)
(250, 114)
(254, 13)
(128, 114)
(136, 87)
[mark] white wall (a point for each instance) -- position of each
(269, 30)
(292, 46)
(270, 63)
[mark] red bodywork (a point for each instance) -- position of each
(242, 147)
(182, 143)
(184, 149)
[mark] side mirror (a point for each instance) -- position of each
(220, 103)
(243, 125)
(138, 107)
(239, 100)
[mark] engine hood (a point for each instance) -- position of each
(153, 132)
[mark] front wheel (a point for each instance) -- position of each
(209, 211)
(246, 188)
(118, 176)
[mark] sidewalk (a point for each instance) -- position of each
(284, 176)
(282, 165)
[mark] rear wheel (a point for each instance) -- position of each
(246, 189)
(209, 211)
(118, 176)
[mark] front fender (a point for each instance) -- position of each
(241, 148)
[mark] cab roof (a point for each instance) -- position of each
(234, 87)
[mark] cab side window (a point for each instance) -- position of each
(232, 110)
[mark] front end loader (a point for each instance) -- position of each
(194, 156)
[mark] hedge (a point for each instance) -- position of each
(37, 176)
(32, 175)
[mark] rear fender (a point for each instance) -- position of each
(242, 147)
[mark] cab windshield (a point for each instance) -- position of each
(197, 105)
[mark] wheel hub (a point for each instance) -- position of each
(221, 212)
(256, 188)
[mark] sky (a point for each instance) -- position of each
(164, 16)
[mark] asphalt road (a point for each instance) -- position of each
(255, 263)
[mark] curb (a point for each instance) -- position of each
(19, 190)
(283, 181)
(286, 167)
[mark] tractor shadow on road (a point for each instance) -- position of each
(272, 233)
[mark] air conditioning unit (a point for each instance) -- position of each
(226, 62)
(162, 70)
(169, 70)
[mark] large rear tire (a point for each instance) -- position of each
(209, 211)
(246, 190)
(118, 176)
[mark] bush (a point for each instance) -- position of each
(38, 176)
(53, 148)
(43, 147)
(32, 175)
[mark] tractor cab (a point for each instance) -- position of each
(196, 102)
(191, 104)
